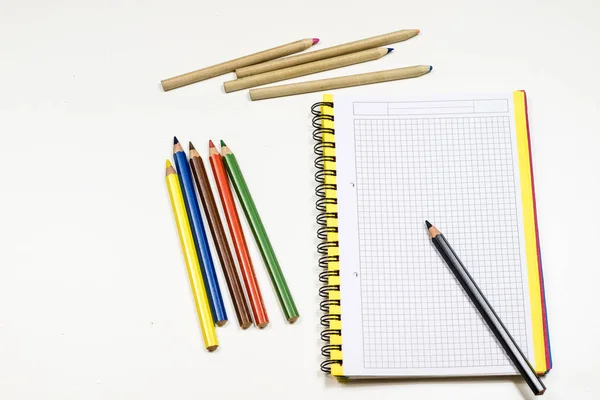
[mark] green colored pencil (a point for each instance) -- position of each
(260, 234)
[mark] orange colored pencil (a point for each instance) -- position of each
(237, 235)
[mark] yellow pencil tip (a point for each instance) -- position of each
(169, 164)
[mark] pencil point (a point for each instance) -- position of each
(192, 147)
(169, 170)
(390, 49)
(430, 68)
(223, 143)
(418, 31)
(428, 224)
(211, 144)
(177, 147)
(315, 41)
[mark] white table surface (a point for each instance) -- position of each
(94, 297)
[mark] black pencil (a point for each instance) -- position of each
(487, 312)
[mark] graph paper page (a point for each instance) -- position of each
(451, 160)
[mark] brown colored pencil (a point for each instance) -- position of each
(346, 48)
(242, 311)
(230, 66)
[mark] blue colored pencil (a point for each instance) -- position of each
(199, 233)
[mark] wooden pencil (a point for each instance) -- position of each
(234, 285)
(230, 66)
(305, 69)
(260, 234)
(485, 309)
(257, 305)
(207, 266)
(338, 83)
(191, 260)
(346, 48)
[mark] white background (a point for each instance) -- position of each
(94, 297)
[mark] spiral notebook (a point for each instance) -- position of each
(392, 308)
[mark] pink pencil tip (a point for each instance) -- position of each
(315, 41)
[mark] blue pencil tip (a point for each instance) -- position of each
(430, 68)
(390, 49)
(175, 141)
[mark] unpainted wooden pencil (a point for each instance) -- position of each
(305, 69)
(346, 48)
(232, 65)
(341, 82)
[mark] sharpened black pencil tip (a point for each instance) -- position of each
(428, 224)
(175, 141)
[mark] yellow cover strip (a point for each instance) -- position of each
(336, 369)
(337, 325)
(530, 233)
(335, 339)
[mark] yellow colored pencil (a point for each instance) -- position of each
(191, 260)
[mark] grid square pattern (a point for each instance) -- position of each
(458, 173)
